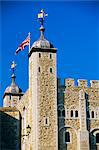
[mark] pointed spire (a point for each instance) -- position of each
(13, 65)
(41, 17)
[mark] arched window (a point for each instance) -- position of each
(92, 114)
(97, 138)
(67, 137)
(59, 113)
(71, 113)
(63, 113)
(76, 113)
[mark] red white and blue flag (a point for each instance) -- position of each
(25, 43)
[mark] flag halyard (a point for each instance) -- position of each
(22, 46)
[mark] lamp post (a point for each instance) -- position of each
(28, 130)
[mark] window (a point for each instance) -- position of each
(39, 69)
(76, 113)
(59, 113)
(19, 97)
(63, 113)
(97, 138)
(10, 97)
(50, 56)
(67, 137)
(71, 114)
(92, 114)
(39, 55)
(50, 70)
(46, 121)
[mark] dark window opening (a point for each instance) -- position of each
(10, 97)
(67, 137)
(50, 70)
(63, 113)
(50, 56)
(19, 97)
(39, 55)
(59, 113)
(46, 121)
(39, 69)
(97, 138)
(92, 114)
(76, 113)
(71, 113)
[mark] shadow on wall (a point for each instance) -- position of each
(9, 132)
(61, 117)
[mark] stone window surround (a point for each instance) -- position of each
(64, 137)
(46, 118)
(95, 136)
(95, 116)
(68, 116)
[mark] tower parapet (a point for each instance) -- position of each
(82, 83)
(69, 82)
(94, 83)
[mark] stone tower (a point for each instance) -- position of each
(43, 91)
(12, 93)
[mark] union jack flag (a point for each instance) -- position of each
(25, 43)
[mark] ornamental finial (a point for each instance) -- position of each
(13, 65)
(41, 16)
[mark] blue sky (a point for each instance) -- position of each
(72, 27)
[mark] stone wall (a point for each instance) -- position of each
(10, 138)
(68, 98)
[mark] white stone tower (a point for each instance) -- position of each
(43, 92)
(13, 93)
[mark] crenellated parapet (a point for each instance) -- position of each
(81, 83)
(94, 83)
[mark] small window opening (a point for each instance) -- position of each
(63, 113)
(50, 70)
(97, 138)
(67, 137)
(39, 69)
(76, 113)
(10, 97)
(71, 113)
(19, 97)
(39, 55)
(50, 56)
(92, 114)
(46, 121)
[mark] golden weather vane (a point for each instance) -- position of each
(41, 16)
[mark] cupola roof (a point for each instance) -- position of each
(42, 42)
(13, 88)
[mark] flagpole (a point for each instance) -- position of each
(29, 42)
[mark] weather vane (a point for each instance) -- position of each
(41, 16)
(13, 65)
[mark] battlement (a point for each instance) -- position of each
(69, 82)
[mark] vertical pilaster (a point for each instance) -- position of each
(83, 136)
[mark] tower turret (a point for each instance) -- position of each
(43, 89)
(12, 93)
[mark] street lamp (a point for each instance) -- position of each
(28, 130)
